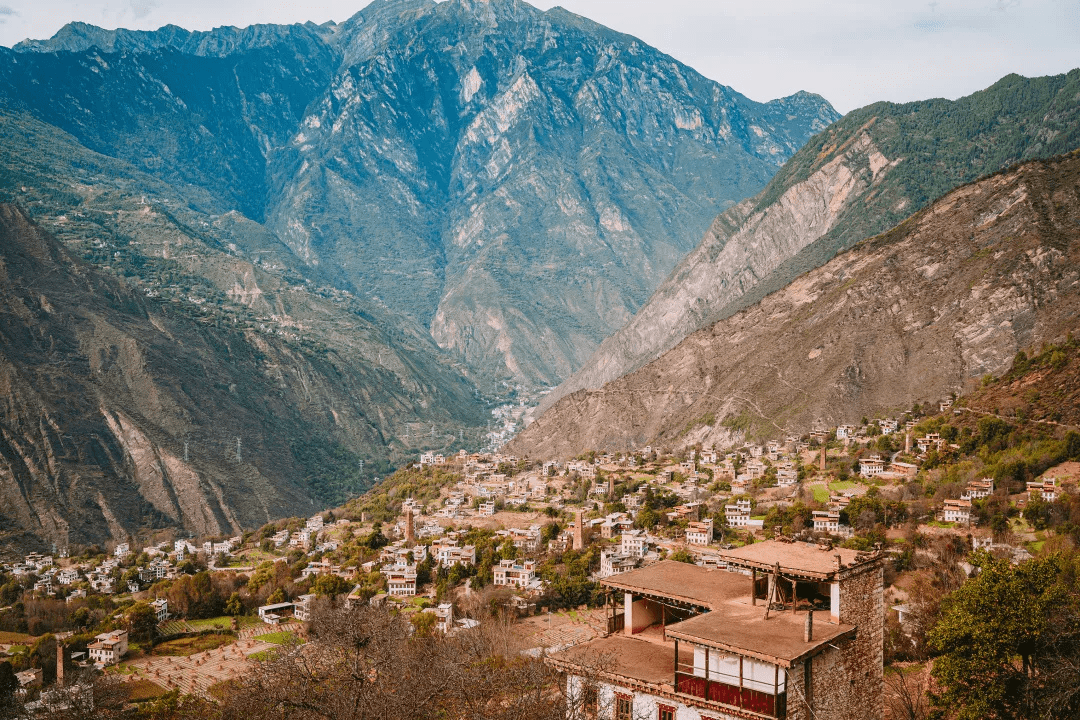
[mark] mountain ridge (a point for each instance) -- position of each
(856, 179)
(923, 310)
(123, 414)
(434, 140)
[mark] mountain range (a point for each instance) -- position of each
(915, 314)
(858, 178)
(511, 182)
(248, 271)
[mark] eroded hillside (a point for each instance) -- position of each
(949, 295)
(858, 178)
(119, 413)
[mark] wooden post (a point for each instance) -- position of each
(753, 586)
(740, 681)
(794, 596)
(775, 688)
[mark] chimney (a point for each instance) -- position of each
(59, 663)
(410, 531)
(808, 628)
(839, 564)
(611, 486)
(579, 531)
(907, 443)
(822, 457)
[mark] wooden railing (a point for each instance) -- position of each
(727, 694)
(616, 623)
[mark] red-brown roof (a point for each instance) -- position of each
(683, 582)
(743, 630)
(796, 558)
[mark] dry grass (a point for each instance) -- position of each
(142, 690)
(183, 647)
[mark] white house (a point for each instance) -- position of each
(615, 563)
(827, 521)
(507, 572)
(108, 648)
(957, 511)
(871, 466)
(977, 489)
(400, 580)
(699, 533)
(634, 543)
(738, 515)
(161, 608)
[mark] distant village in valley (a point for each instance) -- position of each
(832, 548)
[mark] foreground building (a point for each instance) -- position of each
(789, 630)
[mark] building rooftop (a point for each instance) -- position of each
(742, 629)
(690, 584)
(623, 656)
(797, 558)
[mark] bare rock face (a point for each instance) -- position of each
(120, 414)
(858, 178)
(923, 310)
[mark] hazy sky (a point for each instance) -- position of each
(853, 52)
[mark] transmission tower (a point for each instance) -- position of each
(238, 450)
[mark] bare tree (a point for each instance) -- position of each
(365, 663)
(906, 693)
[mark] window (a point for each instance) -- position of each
(589, 701)
(667, 712)
(624, 707)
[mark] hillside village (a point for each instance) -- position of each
(449, 540)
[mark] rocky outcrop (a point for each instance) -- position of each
(926, 309)
(858, 178)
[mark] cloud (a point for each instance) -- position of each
(5, 13)
(142, 8)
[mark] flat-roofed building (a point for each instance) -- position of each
(789, 630)
(957, 511)
(108, 648)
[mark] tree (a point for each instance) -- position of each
(424, 623)
(8, 685)
(1006, 638)
(331, 586)
(141, 620)
(234, 606)
(681, 555)
(364, 663)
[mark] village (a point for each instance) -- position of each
(595, 552)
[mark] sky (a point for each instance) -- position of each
(852, 52)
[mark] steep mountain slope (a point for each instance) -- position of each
(942, 299)
(572, 167)
(858, 178)
(513, 182)
(1043, 385)
(228, 271)
(119, 413)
